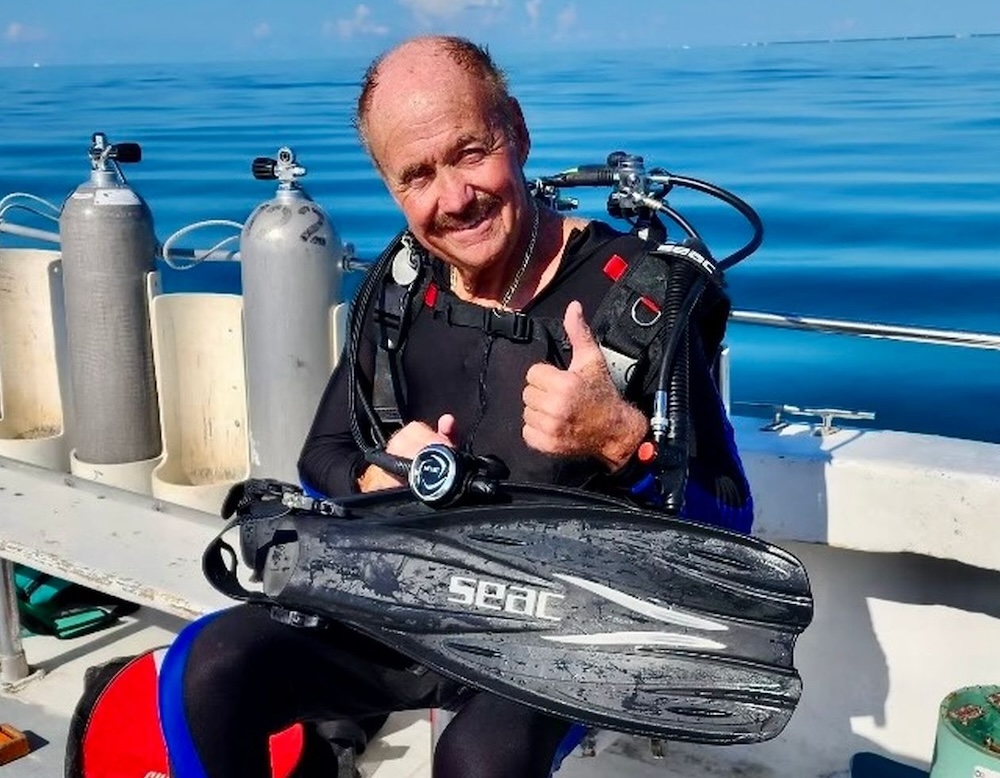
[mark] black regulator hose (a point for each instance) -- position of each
(673, 385)
(739, 204)
(374, 452)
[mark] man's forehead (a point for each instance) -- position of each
(415, 55)
(415, 81)
(418, 100)
(421, 92)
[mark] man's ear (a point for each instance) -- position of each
(521, 135)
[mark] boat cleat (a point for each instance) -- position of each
(825, 415)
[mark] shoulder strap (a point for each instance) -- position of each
(389, 386)
(400, 294)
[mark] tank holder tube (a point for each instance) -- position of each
(29, 232)
(215, 253)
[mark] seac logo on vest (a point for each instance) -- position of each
(498, 596)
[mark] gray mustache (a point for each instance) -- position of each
(476, 209)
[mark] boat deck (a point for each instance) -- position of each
(41, 707)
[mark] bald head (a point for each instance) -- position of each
(433, 63)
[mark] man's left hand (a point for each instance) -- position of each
(578, 411)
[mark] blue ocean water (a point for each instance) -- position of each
(873, 164)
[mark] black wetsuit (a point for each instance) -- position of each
(472, 375)
(249, 675)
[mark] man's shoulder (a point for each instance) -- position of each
(599, 237)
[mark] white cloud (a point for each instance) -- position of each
(565, 21)
(262, 30)
(532, 8)
(15, 32)
(841, 26)
(360, 23)
(442, 8)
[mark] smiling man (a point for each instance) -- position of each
(497, 358)
(450, 143)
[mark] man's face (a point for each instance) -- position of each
(448, 163)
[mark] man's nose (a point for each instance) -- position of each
(455, 193)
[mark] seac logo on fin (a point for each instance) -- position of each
(498, 596)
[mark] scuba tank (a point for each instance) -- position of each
(291, 260)
(108, 248)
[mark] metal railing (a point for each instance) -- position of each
(893, 332)
(983, 340)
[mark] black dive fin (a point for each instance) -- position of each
(586, 608)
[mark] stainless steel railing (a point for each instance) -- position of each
(984, 340)
(894, 332)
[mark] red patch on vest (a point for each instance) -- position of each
(615, 267)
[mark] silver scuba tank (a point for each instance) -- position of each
(108, 248)
(292, 270)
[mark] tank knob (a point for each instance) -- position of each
(263, 168)
(285, 169)
(126, 152)
(101, 151)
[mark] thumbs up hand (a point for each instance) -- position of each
(578, 411)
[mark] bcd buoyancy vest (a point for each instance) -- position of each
(630, 328)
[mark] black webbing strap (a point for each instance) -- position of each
(511, 325)
(396, 306)
(247, 504)
(256, 506)
(219, 564)
(514, 326)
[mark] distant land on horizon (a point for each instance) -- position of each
(875, 39)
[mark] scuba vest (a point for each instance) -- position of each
(627, 323)
(632, 325)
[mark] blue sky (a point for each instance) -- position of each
(111, 31)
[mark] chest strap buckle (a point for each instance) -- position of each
(512, 325)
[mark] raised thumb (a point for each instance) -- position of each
(581, 339)
(446, 427)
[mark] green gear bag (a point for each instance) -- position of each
(52, 606)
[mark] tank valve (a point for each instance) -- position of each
(283, 169)
(101, 151)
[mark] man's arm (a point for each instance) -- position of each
(331, 462)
